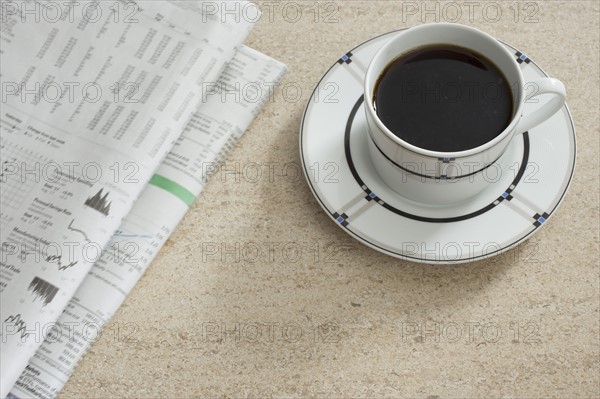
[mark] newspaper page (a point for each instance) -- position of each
(94, 94)
(230, 106)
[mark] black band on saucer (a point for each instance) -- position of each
(518, 177)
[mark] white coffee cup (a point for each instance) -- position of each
(441, 178)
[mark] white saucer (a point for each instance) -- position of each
(333, 149)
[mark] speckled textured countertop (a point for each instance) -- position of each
(332, 321)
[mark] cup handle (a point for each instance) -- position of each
(543, 86)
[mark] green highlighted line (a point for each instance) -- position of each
(174, 188)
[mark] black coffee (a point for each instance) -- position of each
(444, 98)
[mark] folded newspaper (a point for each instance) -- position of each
(114, 114)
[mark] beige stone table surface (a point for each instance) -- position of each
(338, 319)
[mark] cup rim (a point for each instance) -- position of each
(431, 153)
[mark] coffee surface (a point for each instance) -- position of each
(444, 98)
